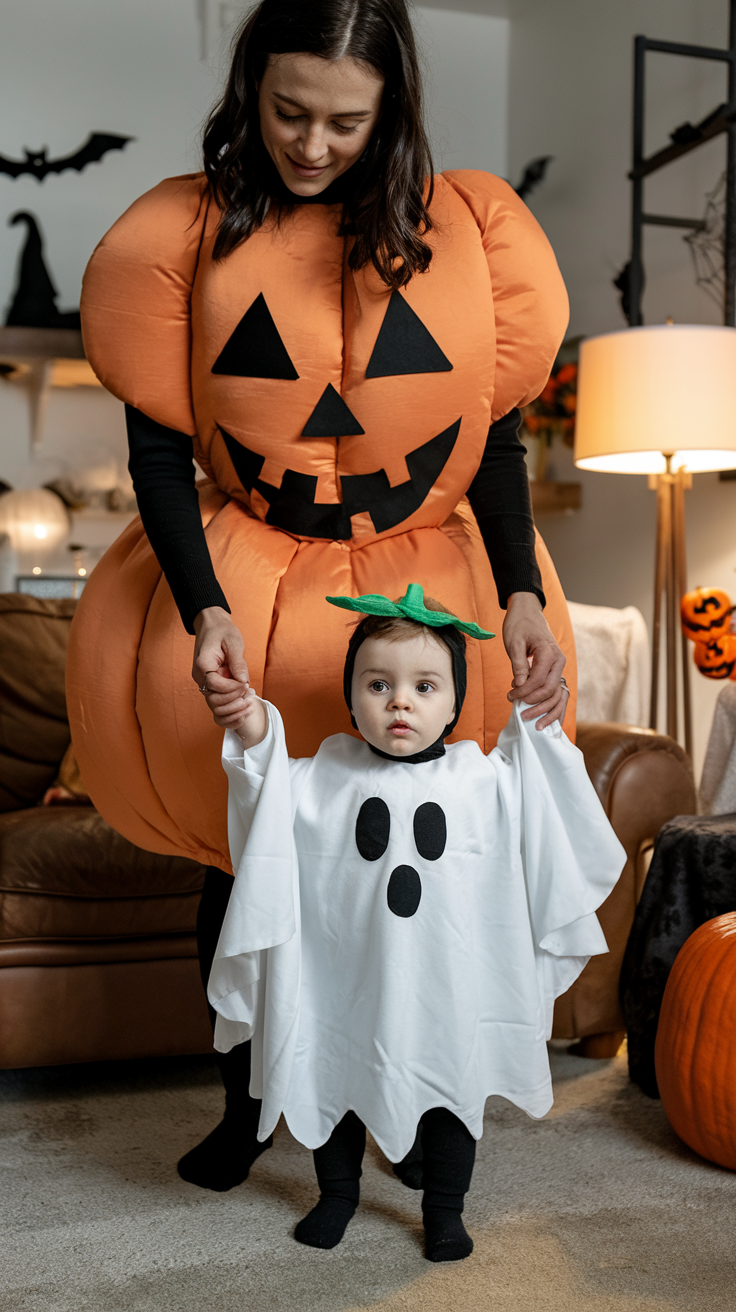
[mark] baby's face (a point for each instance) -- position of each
(403, 693)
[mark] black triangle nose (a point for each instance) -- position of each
(331, 417)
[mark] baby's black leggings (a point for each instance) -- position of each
(448, 1152)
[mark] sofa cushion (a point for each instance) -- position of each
(64, 873)
(34, 732)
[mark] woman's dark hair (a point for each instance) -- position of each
(386, 211)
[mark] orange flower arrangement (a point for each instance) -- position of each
(553, 413)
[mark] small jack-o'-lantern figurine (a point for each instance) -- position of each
(705, 614)
(717, 659)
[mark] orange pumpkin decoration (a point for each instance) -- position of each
(340, 425)
(695, 1050)
(717, 659)
(705, 614)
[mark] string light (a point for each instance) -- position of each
(37, 569)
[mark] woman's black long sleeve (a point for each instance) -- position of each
(163, 477)
(501, 502)
(161, 467)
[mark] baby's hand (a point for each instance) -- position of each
(235, 705)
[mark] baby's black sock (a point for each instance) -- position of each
(223, 1160)
(449, 1155)
(338, 1165)
(410, 1168)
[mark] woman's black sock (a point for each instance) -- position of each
(449, 1156)
(224, 1158)
(338, 1164)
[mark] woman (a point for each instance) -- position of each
(341, 340)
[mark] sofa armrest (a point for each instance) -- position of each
(643, 779)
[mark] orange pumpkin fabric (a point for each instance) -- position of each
(695, 1049)
(297, 506)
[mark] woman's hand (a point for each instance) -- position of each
(236, 706)
(526, 634)
(218, 648)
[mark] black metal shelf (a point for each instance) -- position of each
(723, 120)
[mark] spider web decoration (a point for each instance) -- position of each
(707, 244)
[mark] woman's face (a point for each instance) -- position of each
(317, 117)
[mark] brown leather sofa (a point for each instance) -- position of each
(98, 958)
(97, 947)
(643, 779)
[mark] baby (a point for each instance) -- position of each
(403, 915)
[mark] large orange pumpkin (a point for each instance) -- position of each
(695, 1051)
(705, 614)
(717, 659)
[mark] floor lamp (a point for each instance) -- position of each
(661, 401)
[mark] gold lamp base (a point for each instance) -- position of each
(670, 580)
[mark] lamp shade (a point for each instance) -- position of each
(645, 393)
(34, 519)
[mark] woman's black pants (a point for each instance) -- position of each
(235, 1064)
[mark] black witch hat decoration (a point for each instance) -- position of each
(34, 302)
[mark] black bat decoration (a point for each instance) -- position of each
(622, 283)
(533, 175)
(35, 162)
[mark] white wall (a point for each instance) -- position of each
(94, 65)
(65, 70)
(466, 62)
(570, 96)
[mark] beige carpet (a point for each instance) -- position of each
(598, 1208)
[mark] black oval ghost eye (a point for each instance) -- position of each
(430, 830)
(404, 891)
(372, 828)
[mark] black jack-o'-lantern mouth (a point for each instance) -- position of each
(293, 508)
(255, 349)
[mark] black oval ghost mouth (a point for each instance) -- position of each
(404, 891)
(292, 506)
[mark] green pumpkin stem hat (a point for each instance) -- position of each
(410, 607)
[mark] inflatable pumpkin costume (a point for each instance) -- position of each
(339, 425)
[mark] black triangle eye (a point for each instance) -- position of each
(331, 417)
(255, 349)
(404, 345)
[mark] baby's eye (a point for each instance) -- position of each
(378, 685)
(424, 687)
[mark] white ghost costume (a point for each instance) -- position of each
(397, 956)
